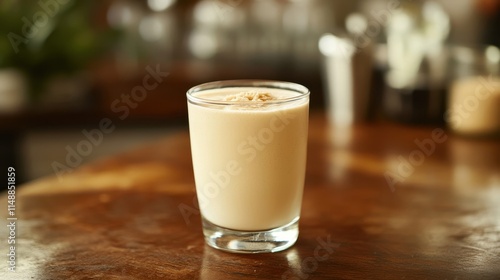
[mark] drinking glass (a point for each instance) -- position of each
(248, 144)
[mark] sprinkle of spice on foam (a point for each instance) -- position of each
(250, 96)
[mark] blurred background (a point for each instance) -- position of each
(83, 79)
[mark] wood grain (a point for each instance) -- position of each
(119, 218)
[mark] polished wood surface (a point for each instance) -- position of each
(381, 201)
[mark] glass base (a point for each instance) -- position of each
(267, 241)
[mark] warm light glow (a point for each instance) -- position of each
(493, 54)
(203, 44)
(356, 23)
(205, 12)
(160, 5)
(151, 28)
(331, 45)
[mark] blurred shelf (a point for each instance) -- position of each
(163, 104)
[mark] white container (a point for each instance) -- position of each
(347, 76)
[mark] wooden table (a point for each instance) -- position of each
(381, 201)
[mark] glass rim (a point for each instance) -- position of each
(303, 92)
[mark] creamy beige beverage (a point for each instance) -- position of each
(249, 156)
